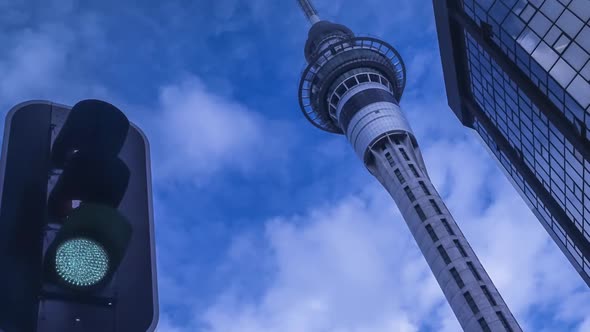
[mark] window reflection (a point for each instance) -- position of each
(528, 40)
(562, 43)
(562, 72)
(554, 162)
(545, 56)
(549, 42)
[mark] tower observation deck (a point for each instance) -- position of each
(352, 86)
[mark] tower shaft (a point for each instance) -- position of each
(373, 122)
(466, 285)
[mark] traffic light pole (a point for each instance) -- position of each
(23, 179)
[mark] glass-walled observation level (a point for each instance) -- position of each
(361, 77)
(332, 62)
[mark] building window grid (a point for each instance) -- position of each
(510, 19)
(513, 137)
(534, 201)
(555, 137)
(475, 51)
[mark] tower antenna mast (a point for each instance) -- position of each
(309, 11)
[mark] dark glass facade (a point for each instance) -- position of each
(518, 72)
(549, 40)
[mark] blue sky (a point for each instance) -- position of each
(263, 222)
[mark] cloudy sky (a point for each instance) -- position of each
(263, 222)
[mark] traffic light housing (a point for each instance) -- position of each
(93, 237)
(84, 242)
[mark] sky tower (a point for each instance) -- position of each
(353, 86)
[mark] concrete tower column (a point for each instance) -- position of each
(369, 114)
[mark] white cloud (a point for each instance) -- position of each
(193, 132)
(353, 266)
(32, 65)
(196, 132)
(333, 274)
(42, 60)
(585, 326)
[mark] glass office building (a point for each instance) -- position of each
(518, 73)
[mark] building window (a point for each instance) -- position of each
(420, 212)
(333, 111)
(435, 207)
(350, 82)
(484, 325)
(488, 295)
(471, 302)
(389, 159)
(447, 226)
(400, 177)
(334, 101)
(444, 254)
(410, 193)
(431, 232)
(504, 321)
(474, 271)
(457, 278)
(460, 247)
(396, 141)
(424, 188)
(403, 152)
(363, 78)
(414, 171)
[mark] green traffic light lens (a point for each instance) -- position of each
(81, 262)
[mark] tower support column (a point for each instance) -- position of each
(469, 290)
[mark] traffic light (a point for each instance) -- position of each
(93, 237)
(76, 192)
